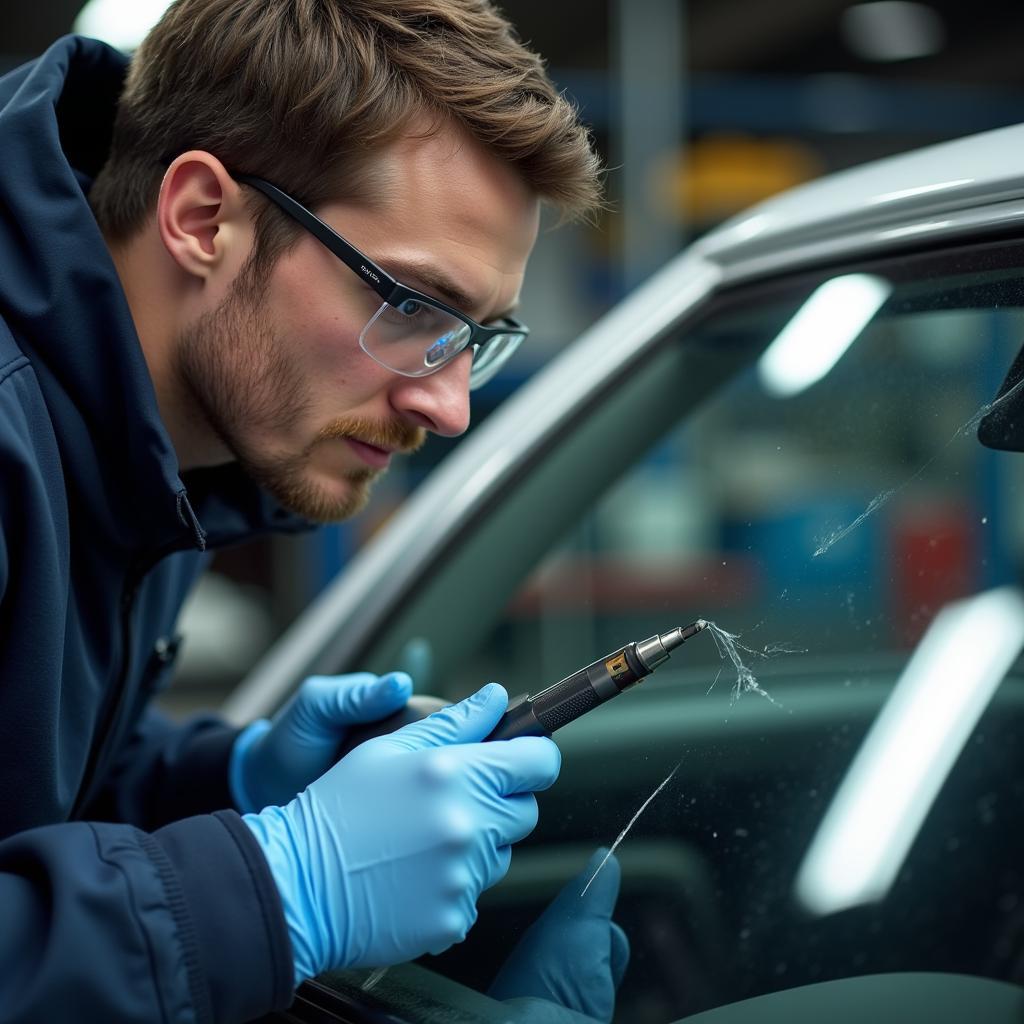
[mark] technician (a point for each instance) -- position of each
(237, 278)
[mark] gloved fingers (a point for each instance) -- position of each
(324, 704)
(619, 954)
(498, 868)
(449, 927)
(572, 904)
(469, 721)
(460, 918)
(514, 818)
(526, 764)
(573, 955)
(373, 699)
(602, 887)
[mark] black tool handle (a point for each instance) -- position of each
(569, 698)
(418, 706)
(530, 715)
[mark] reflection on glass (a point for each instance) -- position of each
(824, 327)
(896, 776)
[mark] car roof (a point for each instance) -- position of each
(915, 193)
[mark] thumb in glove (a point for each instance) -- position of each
(573, 955)
(273, 761)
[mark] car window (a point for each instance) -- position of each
(825, 524)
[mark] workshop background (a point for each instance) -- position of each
(699, 109)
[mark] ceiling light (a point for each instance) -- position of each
(121, 23)
(893, 30)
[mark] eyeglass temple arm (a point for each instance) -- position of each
(379, 280)
(376, 277)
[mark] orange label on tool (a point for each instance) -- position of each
(617, 665)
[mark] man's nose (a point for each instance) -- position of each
(438, 402)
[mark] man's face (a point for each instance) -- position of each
(280, 376)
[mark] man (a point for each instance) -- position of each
(236, 283)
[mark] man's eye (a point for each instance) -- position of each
(410, 307)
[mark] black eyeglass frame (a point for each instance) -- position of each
(390, 290)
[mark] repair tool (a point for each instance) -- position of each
(563, 702)
(542, 713)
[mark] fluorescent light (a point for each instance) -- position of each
(893, 30)
(910, 750)
(823, 328)
(121, 23)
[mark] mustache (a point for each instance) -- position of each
(394, 435)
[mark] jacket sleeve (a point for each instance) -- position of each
(166, 771)
(108, 922)
(105, 922)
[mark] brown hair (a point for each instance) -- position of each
(306, 92)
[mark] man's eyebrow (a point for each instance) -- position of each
(430, 279)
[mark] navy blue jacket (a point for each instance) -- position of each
(127, 890)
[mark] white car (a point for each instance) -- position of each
(779, 433)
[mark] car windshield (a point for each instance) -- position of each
(800, 465)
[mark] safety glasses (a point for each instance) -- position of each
(411, 334)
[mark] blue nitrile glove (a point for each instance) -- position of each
(271, 761)
(383, 858)
(574, 954)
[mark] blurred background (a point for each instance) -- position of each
(700, 108)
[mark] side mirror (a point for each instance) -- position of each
(1003, 427)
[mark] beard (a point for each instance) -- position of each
(236, 373)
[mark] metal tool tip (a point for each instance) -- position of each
(674, 637)
(693, 628)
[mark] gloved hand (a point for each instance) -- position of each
(271, 761)
(573, 955)
(383, 858)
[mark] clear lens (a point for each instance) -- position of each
(490, 358)
(414, 338)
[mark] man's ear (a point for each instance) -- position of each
(201, 214)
